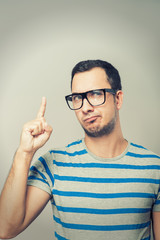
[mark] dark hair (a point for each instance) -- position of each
(111, 72)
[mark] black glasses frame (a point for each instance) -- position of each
(84, 96)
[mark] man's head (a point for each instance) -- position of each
(111, 72)
(92, 82)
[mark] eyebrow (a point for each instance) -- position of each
(87, 91)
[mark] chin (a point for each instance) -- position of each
(98, 131)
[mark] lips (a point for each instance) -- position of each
(90, 119)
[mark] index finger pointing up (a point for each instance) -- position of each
(42, 109)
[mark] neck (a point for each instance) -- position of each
(107, 146)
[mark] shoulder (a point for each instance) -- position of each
(139, 151)
(71, 150)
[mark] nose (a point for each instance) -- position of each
(87, 107)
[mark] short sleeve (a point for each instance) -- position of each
(156, 207)
(40, 174)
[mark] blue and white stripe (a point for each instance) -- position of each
(108, 197)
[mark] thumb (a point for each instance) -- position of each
(48, 128)
(46, 135)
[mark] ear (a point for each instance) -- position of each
(119, 99)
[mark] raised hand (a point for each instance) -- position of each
(35, 133)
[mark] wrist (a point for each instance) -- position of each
(23, 157)
(25, 154)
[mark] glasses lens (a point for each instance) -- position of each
(96, 97)
(74, 101)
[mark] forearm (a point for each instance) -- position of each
(13, 210)
(156, 225)
(13, 196)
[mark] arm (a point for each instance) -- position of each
(156, 225)
(18, 204)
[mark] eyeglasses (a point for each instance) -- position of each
(94, 97)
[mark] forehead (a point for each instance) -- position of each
(95, 78)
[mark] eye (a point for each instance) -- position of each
(96, 93)
(76, 98)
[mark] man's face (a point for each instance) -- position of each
(95, 120)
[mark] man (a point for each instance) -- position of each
(100, 187)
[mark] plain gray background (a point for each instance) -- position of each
(41, 41)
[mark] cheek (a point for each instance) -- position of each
(78, 115)
(108, 113)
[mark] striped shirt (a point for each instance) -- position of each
(96, 198)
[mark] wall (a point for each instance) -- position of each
(40, 43)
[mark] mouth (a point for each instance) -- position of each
(90, 119)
